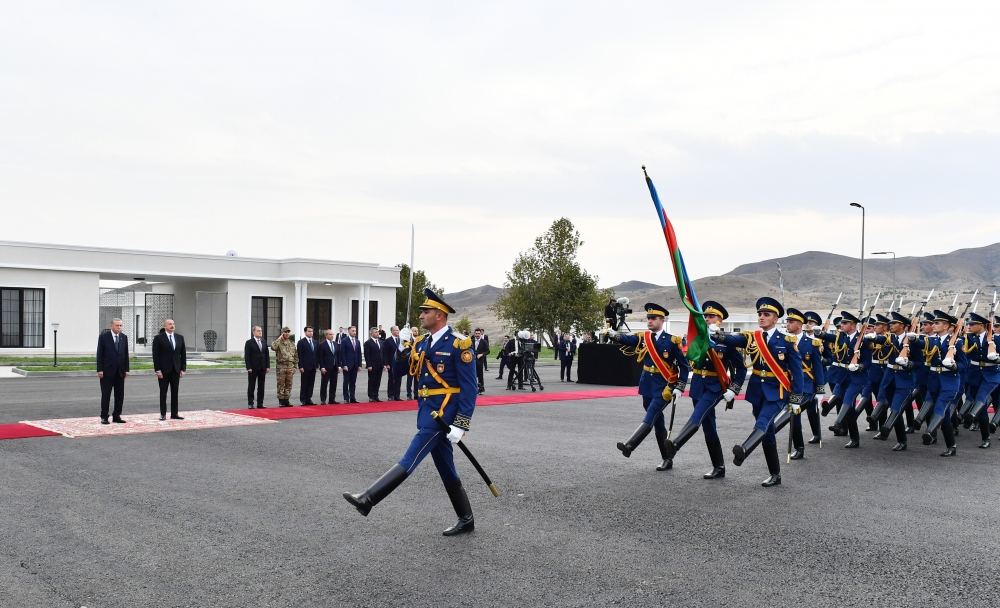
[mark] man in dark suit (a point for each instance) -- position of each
(486, 359)
(329, 368)
(566, 350)
(391, 349)
(112, 367)
(170, 364)
(257, 359)
(308, 364)
(481, 348)
(350, 362)
(374, 363)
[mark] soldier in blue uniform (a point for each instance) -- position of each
(656, 389)
(772, 353)
(943, 381)
(882, 354)
(813, 375)
(983, 377)
(920, 373)
(813, 323)
(445, 366)
(706, 393)
(853, 376)
(896, 389)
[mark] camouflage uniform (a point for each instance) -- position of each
(288, 363)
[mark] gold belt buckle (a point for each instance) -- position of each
(424, 392)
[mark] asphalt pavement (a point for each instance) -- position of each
(253, 516)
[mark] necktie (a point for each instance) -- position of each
(259, 347)
(311, 344)
(171, 336)
(116, 341)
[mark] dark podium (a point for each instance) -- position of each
(605, 364)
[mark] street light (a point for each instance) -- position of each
(781, 284)
(861, 297)
(893, 254)
(55, 344)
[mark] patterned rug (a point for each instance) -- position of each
(144, 423)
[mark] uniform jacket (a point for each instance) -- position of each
(651, 382)
(703, 376)
(285, 353)
(813, 374)
(782, 347)
(453, 362)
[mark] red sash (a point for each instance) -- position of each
(668, 372)
(772, 364)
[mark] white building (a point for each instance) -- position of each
(214, 300)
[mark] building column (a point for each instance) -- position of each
(305, 308)
(362, 312)
(299, 307)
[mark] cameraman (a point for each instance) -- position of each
(609, 314)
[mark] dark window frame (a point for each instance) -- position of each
(267, 311)
(20, 314)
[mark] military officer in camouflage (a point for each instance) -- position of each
(445, 367)
(287, 357)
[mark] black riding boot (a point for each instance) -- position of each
(831, 403)
(382, 487)
(773, 466)
(670, 446)
(814, 425)
(667, 462)
(972, 412)
(633, 442)
(949, 439)
(935, 422)
(718, 460)
(459, 500)
(838, 427)
(740, 452)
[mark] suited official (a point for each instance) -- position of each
(350, 363)
(566, 350)
(170, 364)
(395, 365)
(308, 364)
(329, 369)
(112, 368)
(374, 364)
(257, 359)
(481, 348)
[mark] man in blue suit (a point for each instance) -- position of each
(112, 367)
(329, 369)
(350, 362)
(776, 383)
(308, 364)
(664, 377)
(443, 361)
(567, 350)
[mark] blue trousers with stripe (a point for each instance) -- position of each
(436, 444)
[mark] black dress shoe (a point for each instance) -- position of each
(354, 401)
(163, 417)
(261, 406)
(882, 435)
(177, 417)
(464, 526)
(910, 430)
(715, 473)
(666, 465)
(814, 440)
(872, 428)
(928, 439)
(798, 454)
(899, 447)
(739, 455)
(250, 406)
(852, 444)
(773, 480)
(949, 452)
(104, 421)
(984, 445)
(118, 420)
(334, 403)
(285, 405)
(499, 378)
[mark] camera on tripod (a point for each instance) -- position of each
(622, 308)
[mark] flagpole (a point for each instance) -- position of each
(409, 292)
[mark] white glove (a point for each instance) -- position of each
(911, 335)
(993, 356)
(406, 335)
(870, 335)
(714, 328)
(949, 362)
(729, 395)
(455, 435)
(902, 361)
(796, 408)
(853, 367)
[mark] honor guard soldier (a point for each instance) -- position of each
(813, 323)
(882, 354)
(776, 383)
(810, 351)
(707, 392)
(920, 373)
(895, 392)
(981, 348)
(443, 362)
(287, 356)
(941, 353)
(853, 380)
(664, 377)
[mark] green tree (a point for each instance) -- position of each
(546, 288)
(464, 326)
(417, 297)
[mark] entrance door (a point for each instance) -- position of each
(319, 314)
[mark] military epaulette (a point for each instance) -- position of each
(817, 342)
(676, 340)
(791, 338)
(461, 341)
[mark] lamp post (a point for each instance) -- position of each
(861, 297)
(893, 254)
(55, 344)
(781, 284)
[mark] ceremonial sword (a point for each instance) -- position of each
(461, 444)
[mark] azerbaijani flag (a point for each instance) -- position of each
(698, 342)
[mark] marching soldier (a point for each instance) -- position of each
(664, 377)
(882, 353)
(813, 376)
(443, 361)
(983, 378)
(896, 390)
(288, 363)
(853, 376)
(941, 354)
(920, 373)
(813, 322)
(775, 385)
(707, 391)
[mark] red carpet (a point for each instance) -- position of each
(23, 431)
(311, 411)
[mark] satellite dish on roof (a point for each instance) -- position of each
(231, 253)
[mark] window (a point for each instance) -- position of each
(22, 318)
(266, 312)
(356, 317)
(372, 314)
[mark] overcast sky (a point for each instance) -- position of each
(323, 129)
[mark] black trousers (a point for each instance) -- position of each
(109, 383)
(480, 366)
(374, 381)
(171, 380)
(566, 365)
(329, 381)
(395, 381)
(308, 381)
(350, 382)
(255, 377)
(411, 386)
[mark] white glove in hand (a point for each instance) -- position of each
(455, 435)
(949, 362)
(870, 336)
(714, 328)
(853, 367)
(902, 361)
(911, 335)
(993, 356)
(729, 395)
(406, 335)
(796, 408)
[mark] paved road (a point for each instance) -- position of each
(252, 516)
